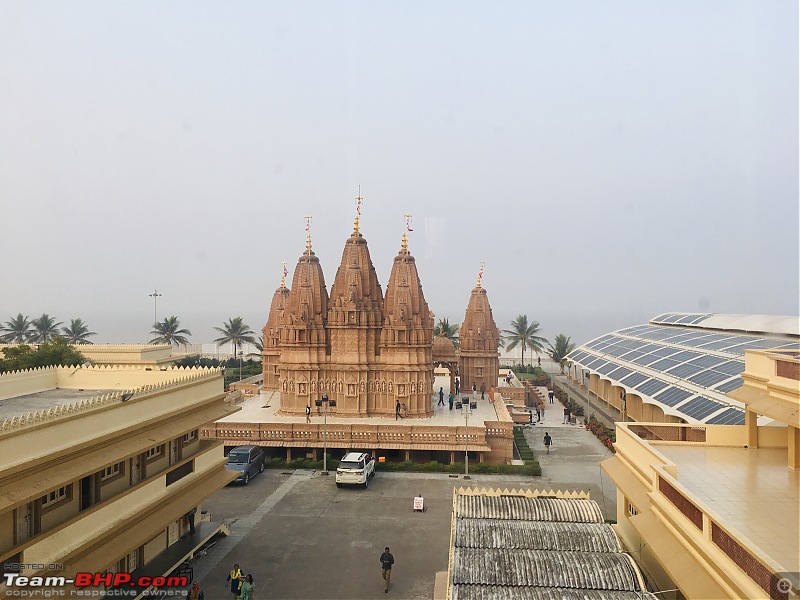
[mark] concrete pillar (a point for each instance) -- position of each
(288, 454)
(751, 424)
(408, 455)
(452, 457)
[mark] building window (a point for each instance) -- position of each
(112, 472)
(155, 453)
(59, 495)
(189, 437)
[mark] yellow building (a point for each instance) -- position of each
(713, 510)
(99, 466)
(148, 356)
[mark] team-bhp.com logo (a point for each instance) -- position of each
(89, 582)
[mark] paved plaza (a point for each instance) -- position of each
(302, 537)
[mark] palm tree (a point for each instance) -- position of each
(17, 330)
(523, 334)
(558, 351)
(44, 329)
(236, 331)
(77, 332)
(444, 329)
(168, 332)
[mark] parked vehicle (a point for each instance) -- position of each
(355, 468)
(248, 460)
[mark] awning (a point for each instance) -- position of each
(761, 402)
(684, 569)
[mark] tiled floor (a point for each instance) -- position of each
(253, 411)
(752, 491)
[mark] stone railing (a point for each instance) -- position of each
(352, 435)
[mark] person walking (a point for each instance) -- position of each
(551, 394)
(387, 560)
(248, 589)
(195, 593)
(566, 414)
(308, 413)
(548, 441)
(397, 410)
(234, 578)
(441, 397)
(483, 391)
(491, 394)
(474, 391)
(452, 399)
(458, 386)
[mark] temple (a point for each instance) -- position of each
(359, 347)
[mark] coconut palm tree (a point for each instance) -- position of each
(237, 332)
(524, 334)
(558, 351)
(445, 329)
(168, 331)
(77, 332)
(45, 329)
(16, 330)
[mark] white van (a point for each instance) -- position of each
(355, 468)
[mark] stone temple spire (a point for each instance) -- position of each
(307, 304)
(271, 335)
(480, 340)
(407, 332)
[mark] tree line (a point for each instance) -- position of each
(45, 329)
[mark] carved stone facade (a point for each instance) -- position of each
(365, 350)
(480, 340)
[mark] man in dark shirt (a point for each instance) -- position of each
(387, 560)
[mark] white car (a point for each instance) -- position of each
(355, 468)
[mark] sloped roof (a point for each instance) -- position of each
(686, 364)
(518, 547)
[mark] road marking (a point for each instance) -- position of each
(245, 525)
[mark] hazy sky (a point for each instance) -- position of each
(608, 160)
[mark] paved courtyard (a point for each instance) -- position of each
(302, 537)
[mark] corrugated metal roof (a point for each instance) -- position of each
(535, 535)
(487, 592)
(542, 568)
(492, 592)
(564, 510)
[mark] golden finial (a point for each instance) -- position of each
(285, 273)
(404, 242)
(358, 211)
(308, 233)
(480, 275)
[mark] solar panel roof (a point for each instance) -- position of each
(729, 416)
(672, 396)
(709, 378)
(633, 379)
(651, 387)
(700, 407)
(729, 386)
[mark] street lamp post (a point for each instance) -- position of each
(155, 296)
(327, 403)
(466, 410)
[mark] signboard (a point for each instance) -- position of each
(419, 503)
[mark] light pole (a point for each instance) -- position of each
(327, 403)
(241, 352)
(155, 295)
(466, 410)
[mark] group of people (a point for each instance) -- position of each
(241, 586)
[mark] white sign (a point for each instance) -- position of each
(418, 503)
